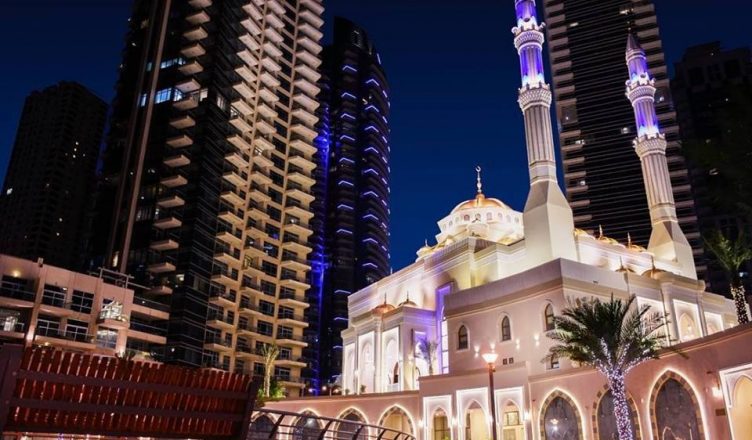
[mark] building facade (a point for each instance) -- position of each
(51, 174)
(495, 280)
(207, 174)
(352, 207)
(709, 83)
(603, 177)
(46, 305)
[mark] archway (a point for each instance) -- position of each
(261, 427)
(687, 328)
(605, 421)
(512, 425)
(674, 409)
(560, 419)
(367, 370)
(397, 419)
(741, 410)
(391, 367)
(307, 427)
(440, 429)
(351, 423)
(475, 423)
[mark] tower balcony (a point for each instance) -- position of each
(187, 86)
(170, 202)
(268, 94)
(262, 161)
(306, 101)
(173, 181)
(228, 258)
(260, 178)
(238, 122)
(257, 214)
(181, 122)
(195, 33)
(233, 198)
(266, 111)
(269, 80)
(164, 245)
(313, 18)
(217, 344)
(253, 232)
(296, 246)
(294, 363)
(162, 267)
(304, 114)
(188, 102)
(193, 50)
(275, 6)
(299, 212)
(302, 162)
(265, 127)
(295, 300)
(167, 223)
(304, 132)
(311, 74)
(231, 238)
(197, 18)
(222, 299)
(300, 229)
(224, 279)
(270, 64)
(234, 178)
(239, 142)
(291, 340)
(180, 141)
(246, 74)
(255, 250)
(303, 196)
(302, 179)
(272, 34)
(291, 319)
(297, 283)
(272, 50)
(242, 107)
(295, 264)
(262, 143)
(200, 3)
(251, 9)
(243, 89)
(305, 147)
(237, 159)
(232, 218)
(250, 42)
(311, 45)
(308, 58)
(159, 290)
(191, 68)
(311, 31)
(259, 196)
(176, 161)
(248, 57)
(250, 25)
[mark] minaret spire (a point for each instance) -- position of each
(547, 218)
(478, 183)
(667, 241)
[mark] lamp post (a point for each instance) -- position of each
(490, 359)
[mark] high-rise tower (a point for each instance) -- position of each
(208, 168)
(667, 241)
(603, 177)
(351, 241)
(549, 227)
(51, 175)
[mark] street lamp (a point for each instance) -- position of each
(490, 359)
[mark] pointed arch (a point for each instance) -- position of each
(440, 427)
(505, 328)
(600, 399)
(473, 415)
(556, 414)
(307, 426)
(355, 417)
(548, 317)
(739, 415)
(670, 401)
(463, 338)
(512, 424)
(261, 427)
(397, 411)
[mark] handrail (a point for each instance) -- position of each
(268, 424)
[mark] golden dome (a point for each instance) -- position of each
(624, 269)
(381, 309)
(632, 246)
(605, 239)
(653, 272)
(408, 302)
(480, 200)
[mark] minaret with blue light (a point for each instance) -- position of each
(667, 241)
(548, 220)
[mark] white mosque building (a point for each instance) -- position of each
(495, 279)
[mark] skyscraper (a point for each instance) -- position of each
(351, 222)
(602, 173)
(208, 168)
(51, 175)
(709, 83)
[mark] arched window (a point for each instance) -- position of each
(395, 374)
(506, 329)
(441, 429)
(548, 316)
(462, 339)
(553, 362)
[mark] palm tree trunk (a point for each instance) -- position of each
(621, 405)
(267, 382)
(738, 293)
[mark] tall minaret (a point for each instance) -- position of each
(549, 226)
(667, 241)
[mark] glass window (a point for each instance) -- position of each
(48, 325)
(265, 328)
(266, 307)
(548, 316)
(82, 301)
(462, 339)
(112, 310)
(106, 338)
(506, 329)
(77, 331)
(284, 332)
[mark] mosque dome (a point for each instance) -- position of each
(408, 302)
(383, 308)
(480, 201)
(653, 272)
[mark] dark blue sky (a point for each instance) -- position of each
(452, 68)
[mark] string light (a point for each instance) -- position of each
(738, 293)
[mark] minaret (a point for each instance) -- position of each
(667, 241)
(549, 226)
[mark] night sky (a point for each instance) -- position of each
(453, 72)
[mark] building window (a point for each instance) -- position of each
(106, 338)
(48, 326)
(112, 310)
(77, 331)
(506, 329)
(82, 301)
(553, 363)
(462, 339)
(265, 328)
(548, 316)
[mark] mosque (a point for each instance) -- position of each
(413, 351)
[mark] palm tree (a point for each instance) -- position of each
(269, 352)
(613, 337)
(427, 352)
(731, 255)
